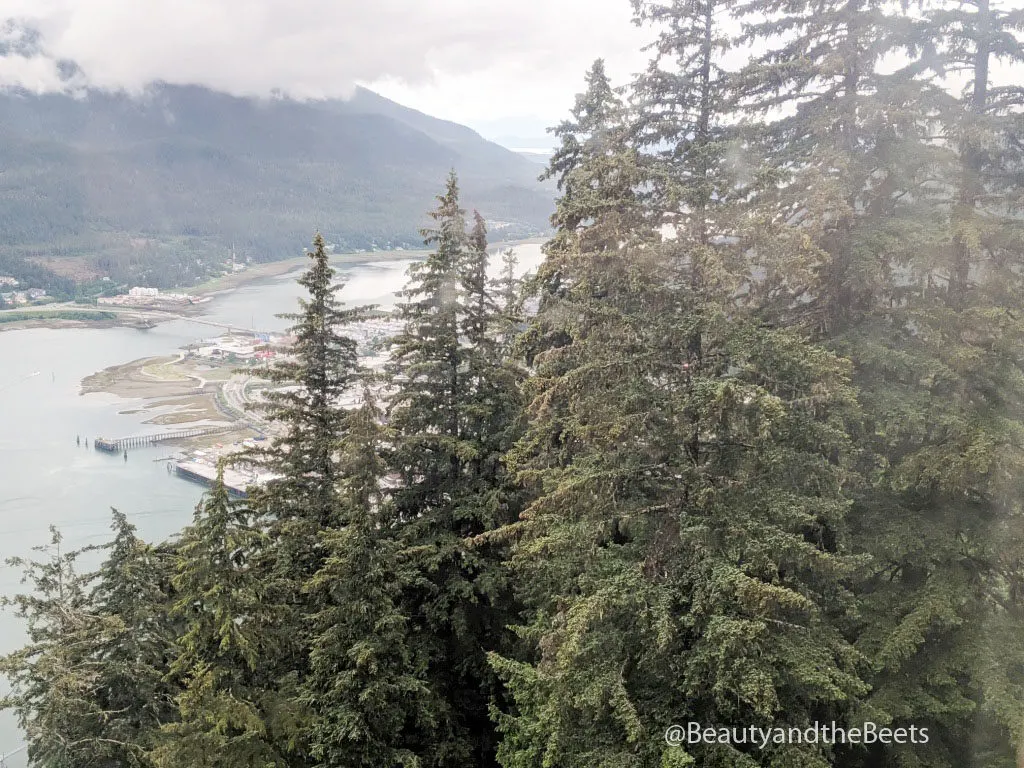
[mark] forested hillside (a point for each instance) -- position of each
(158, 188)
(747, 452)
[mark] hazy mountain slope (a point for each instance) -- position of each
(133, 184)
(458, 137)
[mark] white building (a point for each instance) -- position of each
(138, 292)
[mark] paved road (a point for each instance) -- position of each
(235, 397)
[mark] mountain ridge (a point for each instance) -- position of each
(157, 189)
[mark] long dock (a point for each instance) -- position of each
(124, 443)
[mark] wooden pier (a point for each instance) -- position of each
(124, 443)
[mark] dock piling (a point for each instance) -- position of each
(135, 441)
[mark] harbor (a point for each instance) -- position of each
(220, 380)
(237, 483)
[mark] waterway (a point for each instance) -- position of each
(47, 479)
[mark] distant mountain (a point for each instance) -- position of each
(527, 143)
(520, 131)
(535, 156)
(158, 189)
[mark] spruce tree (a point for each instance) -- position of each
(490, 403)
(838, 157)
(452, 410)
(481, 307)
(367, 686)
(986, 289)
(132, 652)
(427, 351)
(942, 400)
(907, 251)
(672, 571)
(681, 108)
(508, 292)
(53, 678)
(302, 498)
(322, 366)
(596, 178)
(597, 209)
(232, 712)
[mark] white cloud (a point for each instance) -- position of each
(32, 73)
(468, 60)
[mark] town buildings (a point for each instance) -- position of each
(15, 298)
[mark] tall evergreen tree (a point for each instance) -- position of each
(596, 211)
(322, 366)
(428, 351)
(453, 412)
(944, 401)
(986, 286)
(508, 292)
(681, 105)
(232, 711)
(889, 286)
(490, 404)
(367, 687)
(596, 178)
(480, 309)
(672, 572)
(133, 649)
(839, 157)
(53, 677)
(303, 497)
(985, 123)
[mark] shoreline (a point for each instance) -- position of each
(56, 324)
(219, 286)
(169, 390)
(170, 393)
(273, 269)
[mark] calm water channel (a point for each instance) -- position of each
(45, 479)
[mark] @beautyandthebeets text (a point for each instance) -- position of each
(694, 733)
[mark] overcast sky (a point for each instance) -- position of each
(501, 66)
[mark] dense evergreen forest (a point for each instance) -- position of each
(748, 450)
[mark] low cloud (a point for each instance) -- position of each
(304, 48)
(31, 73)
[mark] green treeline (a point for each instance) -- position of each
(14, 316)
(747, 450)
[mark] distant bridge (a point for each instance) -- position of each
(160, 315)
(124, 443)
